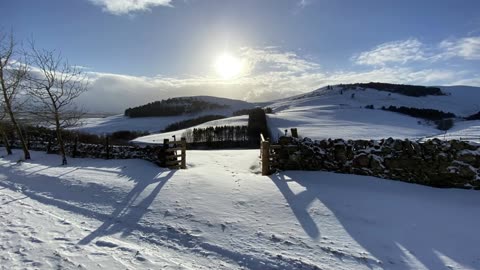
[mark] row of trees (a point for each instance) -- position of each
(37, 84)
(172, 107)
(217, 134)
(191, 122)
(257, 123)
(403, 89)
(429, 114)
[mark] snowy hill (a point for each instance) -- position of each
(157, 138)
(334, 113)
(156, 124)
(221, 214)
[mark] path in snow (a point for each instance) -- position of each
(221, 214)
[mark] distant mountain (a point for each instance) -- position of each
(188, 105)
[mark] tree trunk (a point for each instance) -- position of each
(8, 106)
(60, 139)
(6, 142)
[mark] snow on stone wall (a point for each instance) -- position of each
(434, 163)
(150, 153)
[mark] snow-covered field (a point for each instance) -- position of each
(325, 113)
(221, 214)
(465, 130)
(332, 121)
(114, 123)
(158, 137)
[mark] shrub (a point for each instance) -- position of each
(444, 124)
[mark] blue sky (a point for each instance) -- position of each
(150, 49)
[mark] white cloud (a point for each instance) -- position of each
(120, 7)
(393, 52)
(303, 3)
(467, 48)
(273, 58)
(402, 52)
(273, 74)
(115, 92)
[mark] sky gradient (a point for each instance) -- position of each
(144, 50)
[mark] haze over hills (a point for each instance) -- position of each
(223, 106)
(340, 112)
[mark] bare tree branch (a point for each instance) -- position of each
(54, 88)
(13, 74)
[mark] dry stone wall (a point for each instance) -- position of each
(434, 163)
(151, 153)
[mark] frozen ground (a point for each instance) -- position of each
(221, 214)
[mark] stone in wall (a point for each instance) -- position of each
(434, 162)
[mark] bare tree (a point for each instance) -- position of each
(54, 86)
(3, 129)
(13, 73)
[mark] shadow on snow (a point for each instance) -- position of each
(393, 221)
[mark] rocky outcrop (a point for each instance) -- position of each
(434, 163)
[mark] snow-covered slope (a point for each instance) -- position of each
(323, 122)
(156, 124)
(221, 214)
(158, 137)
(460, 100)
(327, 113)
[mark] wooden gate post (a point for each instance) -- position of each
(294, 132)
(265, 149)
(184, 153)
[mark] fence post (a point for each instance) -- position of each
(184, 153)
(294, 132)
(265, 147)
(49, 145)
(75, 144)
(107, 148)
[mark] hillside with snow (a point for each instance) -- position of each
(334, 113)
(154, 124)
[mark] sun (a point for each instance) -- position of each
(228, 66)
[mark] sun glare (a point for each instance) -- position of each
(228, 66)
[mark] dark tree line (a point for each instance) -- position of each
(173, 107)
(191, 122)
(217, 134)
(248, 111)
(429, 114)
(475, 116)
(257, 123)
(43, 134)
(403, 89)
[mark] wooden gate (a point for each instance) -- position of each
(175, 153)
